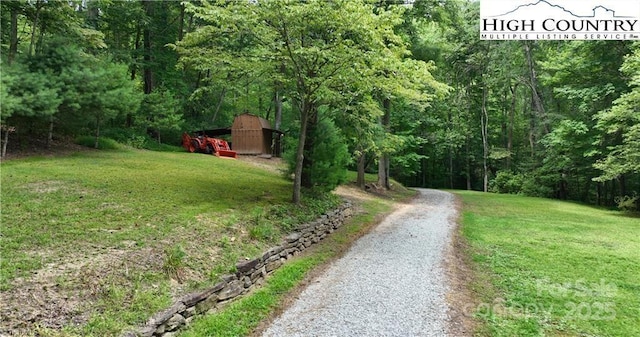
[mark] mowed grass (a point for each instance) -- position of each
(552, 268)
(124, 231)
(109, 197)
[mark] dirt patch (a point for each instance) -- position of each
(272, 164)
(20, 148)
(62, 293)
(460, 298)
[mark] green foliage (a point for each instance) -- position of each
(534, 184)
(329, 157)
(628, 203)
(540, 184)
(623, 118)
(132, 137)
(507, 182)
(28, 93)
(159, 112)
(103, 143)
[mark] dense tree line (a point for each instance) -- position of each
(402, 90)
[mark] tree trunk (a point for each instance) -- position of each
(278, 100)
(93, 14)
(50, 135)
(307, 164)
(181, 23)
(6, 130)
(136, 48)
(536, 97)
(34, 26)
(512, 116)
(148, 72)
(484, 121)
(219, 105)
(97, 132)
(278, 104)
(297, 180)
(360, 179)
(468, 165)
(451, 167)
(383, 162)
(13, 36)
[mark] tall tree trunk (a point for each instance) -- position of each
(148, 72)
(278, 104)
(512, 116)
(451, 167)
(484, 121)
(181, 23)
(468, 164)
(536, 97)
(277, 98)
(34, 26)
(13, 35)
(134, 68)
(305, 109)
(312, 125)
(383, 162)
(136, 49)
(219, 105)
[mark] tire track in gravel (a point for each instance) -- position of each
(391, 282)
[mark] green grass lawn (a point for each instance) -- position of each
(105, 198)
(176, 221)
(545, 267)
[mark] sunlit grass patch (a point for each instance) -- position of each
(555, 268)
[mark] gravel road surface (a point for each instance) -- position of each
(390, 283)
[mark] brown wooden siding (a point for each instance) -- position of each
(251, 135)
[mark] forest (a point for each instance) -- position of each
(402, 89)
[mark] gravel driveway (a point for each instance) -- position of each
(390, 283)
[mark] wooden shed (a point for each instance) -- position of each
(253, 135)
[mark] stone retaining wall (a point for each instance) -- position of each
(249, 274)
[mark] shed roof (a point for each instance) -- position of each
(256, 121)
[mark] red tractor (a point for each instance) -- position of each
(202, 143)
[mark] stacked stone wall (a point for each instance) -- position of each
(249, 274)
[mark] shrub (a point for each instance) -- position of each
(628, 203)
(534, 184)
(507, 182)
(538, 184)
(103, 143)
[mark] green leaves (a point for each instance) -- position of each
(26, 93)
(623, 121)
